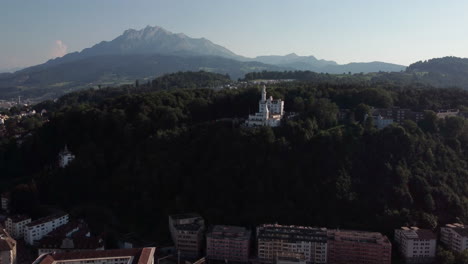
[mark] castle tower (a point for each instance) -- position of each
(264, 93)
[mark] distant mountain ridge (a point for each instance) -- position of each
(310, 63)
(150, 52)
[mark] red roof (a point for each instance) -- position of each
(140, 255)
(77, 242)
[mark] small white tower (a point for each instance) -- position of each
(65, 157)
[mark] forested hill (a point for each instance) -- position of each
(448, 71)
(441, 72)
(51, 81)
(190, 80)
(144, 155)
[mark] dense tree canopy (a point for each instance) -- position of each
(143, 155)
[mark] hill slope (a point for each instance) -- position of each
(54, 80)
(446, 71)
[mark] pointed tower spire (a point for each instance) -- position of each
(264, 93)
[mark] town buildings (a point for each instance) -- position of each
(187, 231)
(230, 243)
(454, 236)
(118, 256)
(7, 247)
(416, 245)
(270, 112)
(298, 242)
(16, 225)
(357, 247)
(36, 230)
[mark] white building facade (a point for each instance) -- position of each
(455, 237)
(295, 242)
(38, 229)
(16, 225)
(270, 112)
(416, 245)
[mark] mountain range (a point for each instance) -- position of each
(151, 52)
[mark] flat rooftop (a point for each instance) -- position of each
(225, 231)
(358, 236)
(46, 219)
(184, 216)
(291, 233)
(415, 233)
(19, 218)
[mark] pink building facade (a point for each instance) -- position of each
(228, 243)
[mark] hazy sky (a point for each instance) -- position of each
(398, 31)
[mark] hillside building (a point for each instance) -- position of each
(357, 247)
(444, 113)
(296, 243)
(455, 237)
(416, 245)
(117, 256)
(36, 230)
(16, 225)
(398, 115)
(187, 231)
(379, 121)
(229, 243)
(270, 112)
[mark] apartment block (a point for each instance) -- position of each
(357, 247)
(187, 231)
(229, 243)
(36, 230)
(118, 256)
(454, 236)
(16, 225)
(299, 242)
(416, 245)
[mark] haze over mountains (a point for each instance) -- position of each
(151, 52)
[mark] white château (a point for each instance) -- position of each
(270, 112)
